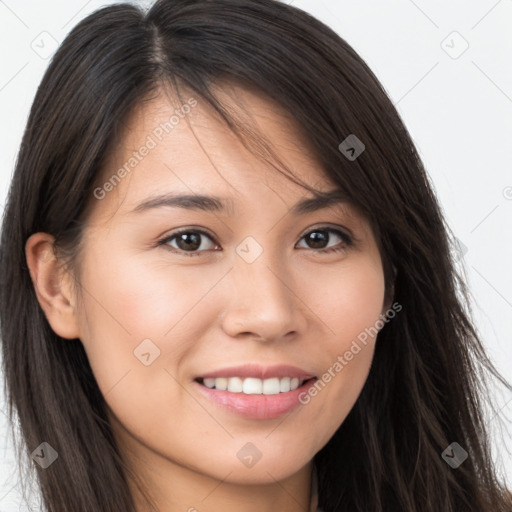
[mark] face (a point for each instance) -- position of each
(166, 316)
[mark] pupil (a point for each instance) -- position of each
(185, 238)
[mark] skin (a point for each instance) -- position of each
(292, 305)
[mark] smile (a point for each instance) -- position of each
(251, 397)
(252, 385)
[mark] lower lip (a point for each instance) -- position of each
(258, 407)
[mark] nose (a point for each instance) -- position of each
(263, 302)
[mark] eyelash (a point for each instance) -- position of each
(347, 240)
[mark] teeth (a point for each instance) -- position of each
(235, 385)
(284, 384)
(253, 386)
(210, 383)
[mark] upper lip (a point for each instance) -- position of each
(259, 372)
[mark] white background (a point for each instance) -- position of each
(456, 104)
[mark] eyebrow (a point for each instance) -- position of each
(207, 203)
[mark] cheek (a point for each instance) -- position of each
(128, 302)
(126, 306)
(146, 300)
(349, 303)
(350, 308)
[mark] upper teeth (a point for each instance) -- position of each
(254, 386)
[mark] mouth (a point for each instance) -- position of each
(253, 398)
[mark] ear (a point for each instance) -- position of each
(52, 285)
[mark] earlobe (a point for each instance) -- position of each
(51, 285)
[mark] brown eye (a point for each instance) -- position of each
(187, 242)
(317, 239)
(320, 237)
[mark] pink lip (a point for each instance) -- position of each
(260, 407)
(259, 371)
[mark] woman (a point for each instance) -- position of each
(227, 281)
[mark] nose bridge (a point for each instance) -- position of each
(263, 301)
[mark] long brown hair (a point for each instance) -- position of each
(427, 384)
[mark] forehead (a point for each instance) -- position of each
(181, 145)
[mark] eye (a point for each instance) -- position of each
(319, 237)
(188, 241)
